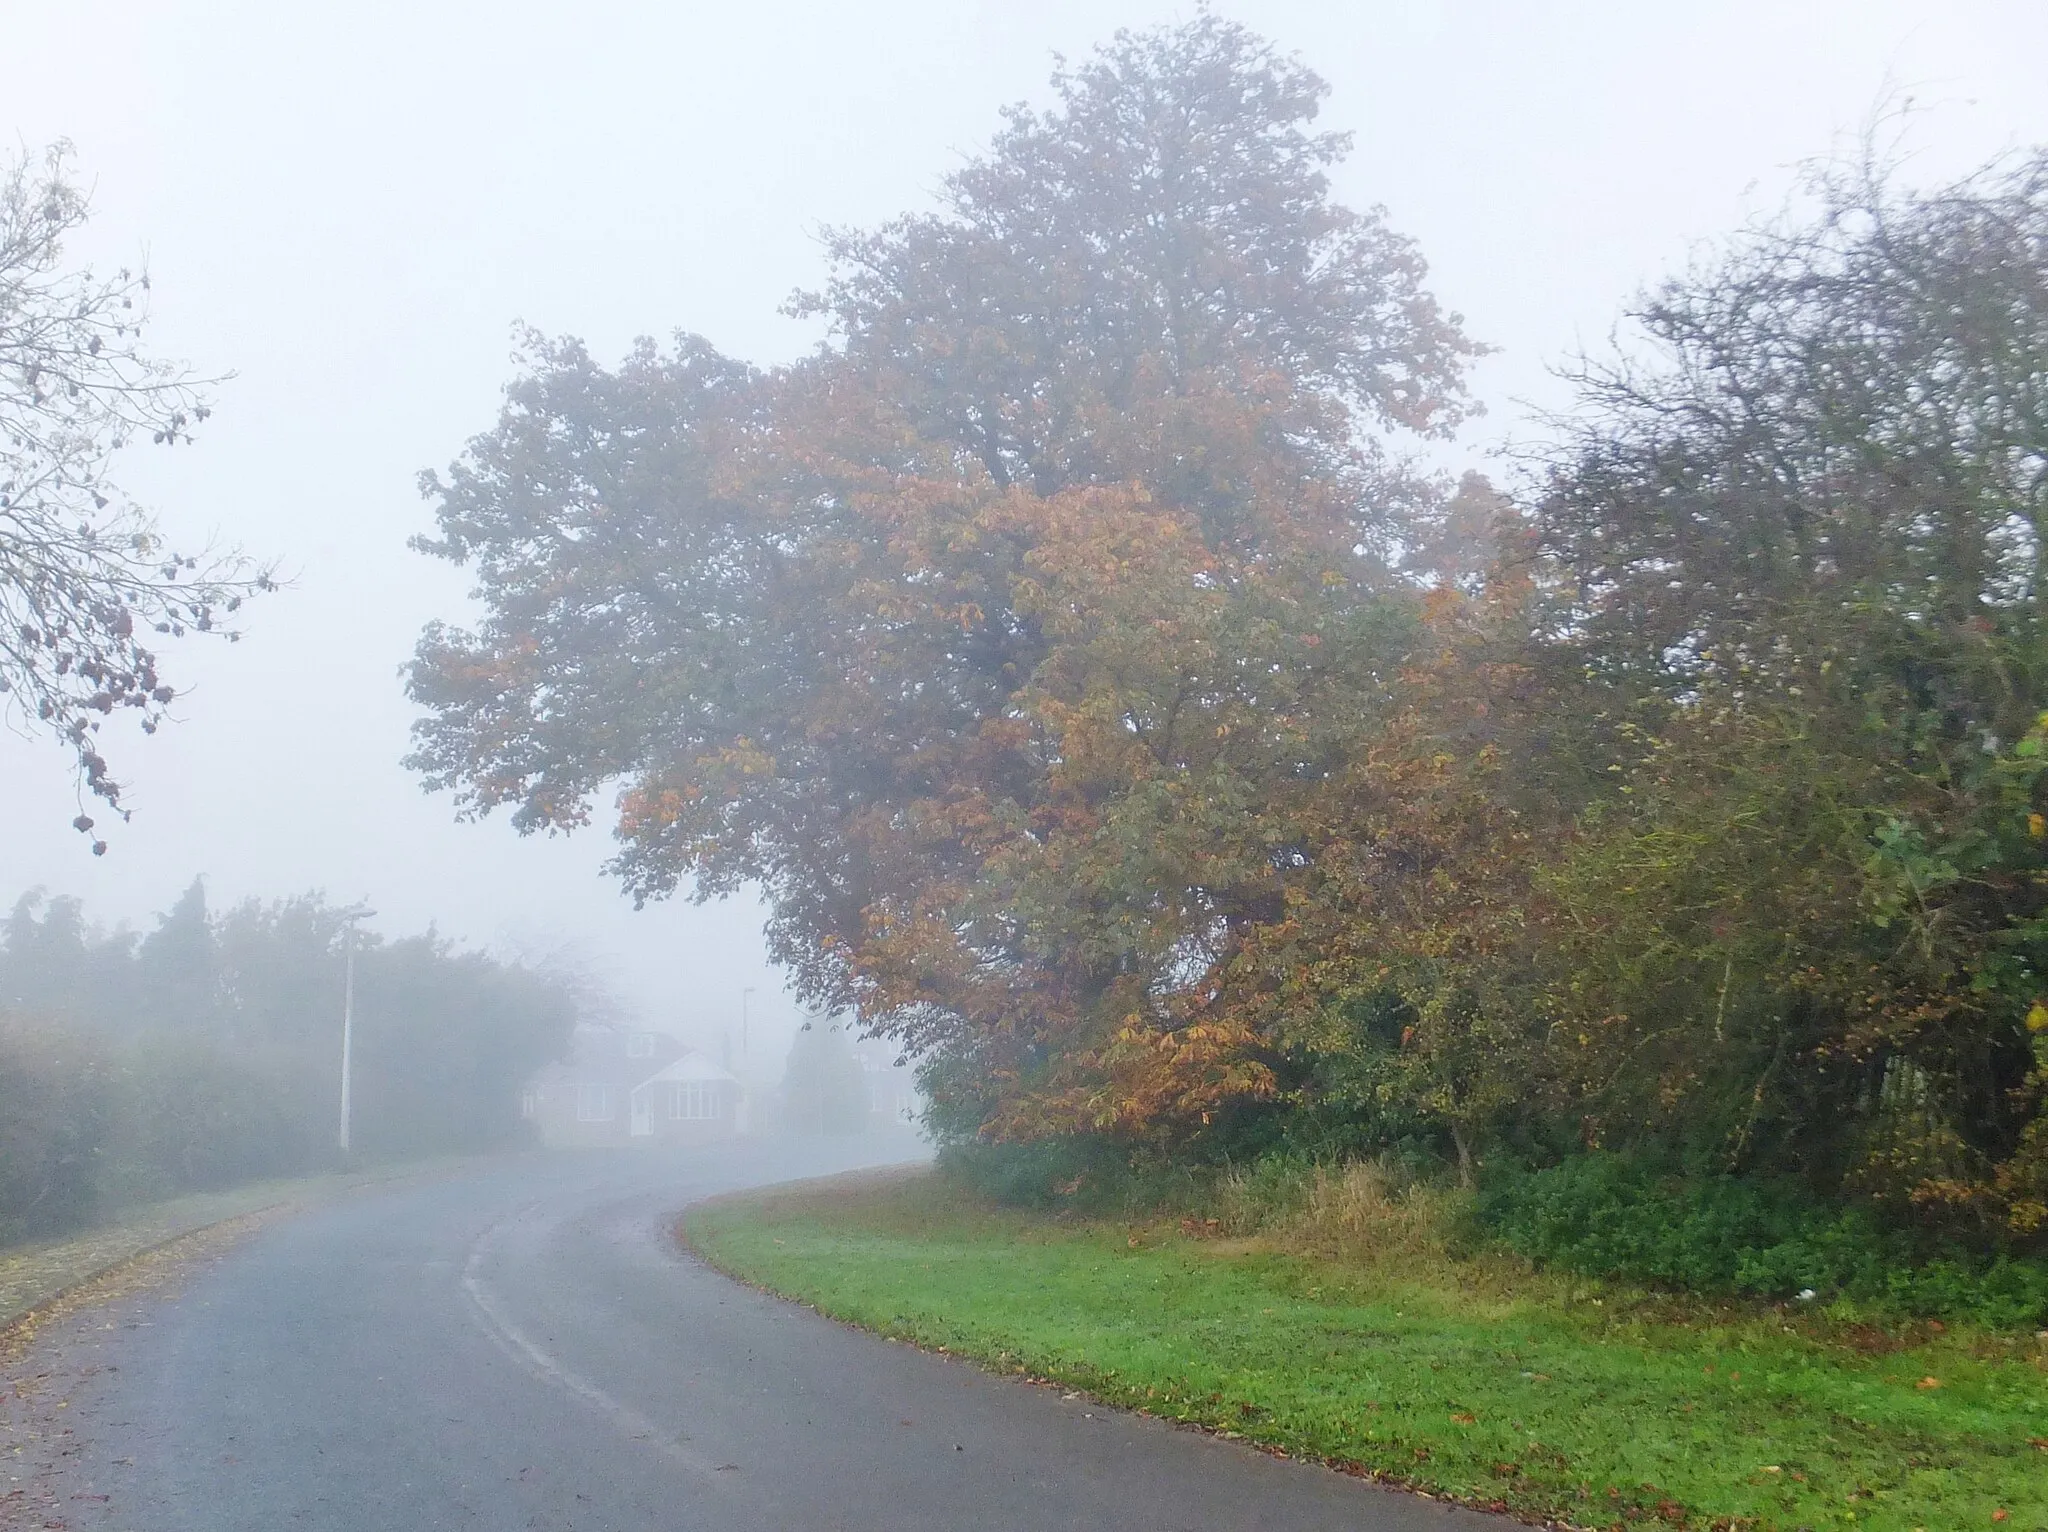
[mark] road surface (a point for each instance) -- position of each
(522, 1346)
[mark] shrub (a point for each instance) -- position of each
(54, 1111)
(188, 1115)
(207, 1053)
(1609, 1216)
(1362, 1209)
(1359, 1208)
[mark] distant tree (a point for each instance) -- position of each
(210, 1052)
(54, 963)
(177, 968)
(45, 955)
(824, 1089)
(281, 963)
(87, 581)
(445, 1040)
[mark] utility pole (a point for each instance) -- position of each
(348, 1019)
(743, 1021)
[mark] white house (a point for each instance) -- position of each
(632, 1085)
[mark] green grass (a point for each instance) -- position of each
(1469, 1378)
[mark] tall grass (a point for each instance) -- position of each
(1367, 1211)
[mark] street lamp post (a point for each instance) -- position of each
(348, 1020)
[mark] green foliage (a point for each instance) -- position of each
(1613, 1217)
(1794, 540)
(1715, 827)
(184, 1114)
(56, 1108)
(1040, 1173)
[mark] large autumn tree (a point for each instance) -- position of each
(1006, 641)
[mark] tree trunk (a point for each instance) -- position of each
(1464, 1148)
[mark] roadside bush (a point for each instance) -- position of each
(90, 1124)
(1360, 1208)
(55, 1105)
(186, 1115)
(1610, 1216)
(206, 1053)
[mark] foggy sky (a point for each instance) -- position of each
(349, 205)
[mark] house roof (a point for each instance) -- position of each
(619, 1031)
(691, 1066)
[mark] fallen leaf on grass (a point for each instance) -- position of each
(1928, 1383)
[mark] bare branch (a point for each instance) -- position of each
(87, 581)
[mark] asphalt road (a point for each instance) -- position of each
(522, 1346)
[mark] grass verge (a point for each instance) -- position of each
(1470, 1378)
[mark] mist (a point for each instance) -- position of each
(930, 654)
(348, 209)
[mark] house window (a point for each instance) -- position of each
(593, 1103)
(640, 1045)
(529, 1104)
(692, 1101)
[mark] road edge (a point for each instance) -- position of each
(314, 1192)
(1350, 1468)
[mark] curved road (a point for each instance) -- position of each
(522, 1346)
